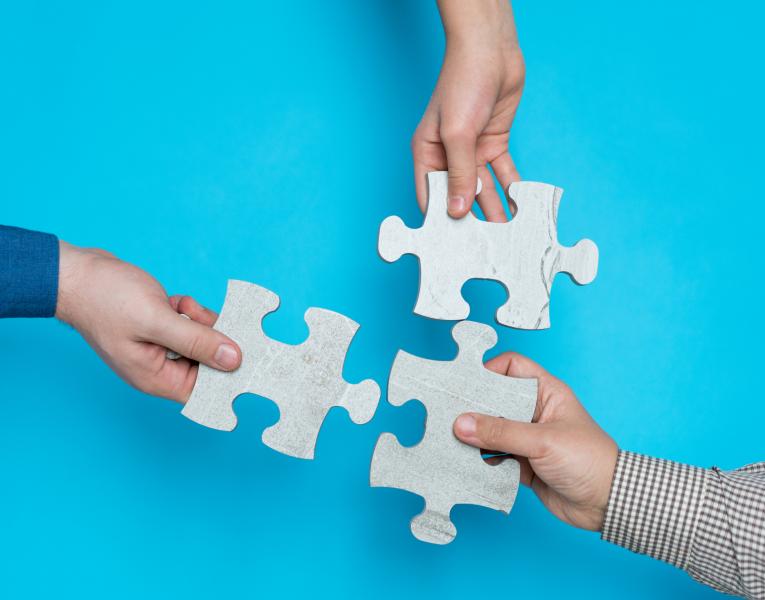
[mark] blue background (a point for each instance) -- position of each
(267, 143)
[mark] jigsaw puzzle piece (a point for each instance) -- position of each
(314, 384)
(523, 255)
(304, 380)
(440, 468)
(211, 401)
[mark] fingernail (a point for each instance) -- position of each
(456, 203)
(466, 425)
(226, 356)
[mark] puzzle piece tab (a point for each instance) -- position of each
(305, 381)
(523, 255)
(440, 468)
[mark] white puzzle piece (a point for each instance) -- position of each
(305, 380)
(440, 468)
(523, 255)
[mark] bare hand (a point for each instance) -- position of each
(466, 126)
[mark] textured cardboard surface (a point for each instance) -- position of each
(305, 380)
(440, 468)
(523, 255)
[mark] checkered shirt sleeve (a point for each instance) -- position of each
(708, 522)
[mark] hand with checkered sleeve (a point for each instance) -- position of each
(709, 522)
(566, 458)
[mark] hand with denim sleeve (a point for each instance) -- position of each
(129, 320)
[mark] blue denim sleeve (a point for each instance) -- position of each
(28, 273)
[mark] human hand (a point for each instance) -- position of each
(466, 126)
(128, 319)
(565, 457)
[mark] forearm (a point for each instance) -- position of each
(28, 273)
(479, 21)
(708, 522)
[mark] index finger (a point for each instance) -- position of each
(195, 311)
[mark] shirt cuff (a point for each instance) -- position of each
(653, 507)
(28, 273)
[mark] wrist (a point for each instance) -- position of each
(605, 485)
(485, 25)
(592, 508)
(71, 266)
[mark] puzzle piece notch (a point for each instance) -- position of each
(523, 255)
(304, 380)
(440, 468)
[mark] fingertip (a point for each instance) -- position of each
(456, 204)
(193, 309)
(465, 427)
(228, 357)
(185, 374)
(175, 381)
(187, 305)
(462, 194)
(459, 206)
(420, 185)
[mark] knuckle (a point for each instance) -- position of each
(147, 320)
(454, 128)
(152, 321)
(513, 358)
(460, 175)
(186, 304)
(196, 346)
(457, 133)
(148, 387)
(545, 443)
(143, 379)
(462, 183)
(421, 149)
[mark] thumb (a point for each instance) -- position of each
(503, 435)
(460, 159)
(198, 342)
